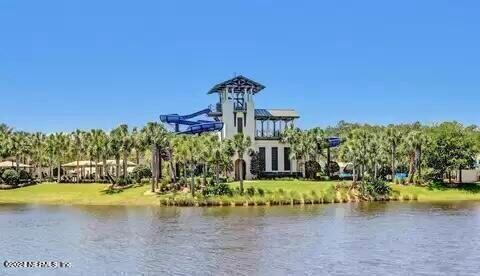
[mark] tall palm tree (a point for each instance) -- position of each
(138, 144)
(155, 135)
(240, 144)
(61, 144)
(18, 146)
(319, 138)
(5, 141)
(126, 146)
(375, 154)
(191, 148)
(105, 153)
(303, 146)
(38, 153)
(415, 142)
(393, 138)
(115, 147)
(78, 148)
(97, 147)
(221, 154)
(354, 150)
(50, 154)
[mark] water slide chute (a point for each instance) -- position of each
(194, 127)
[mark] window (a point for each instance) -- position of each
(286, 159)
(261, 153)
(258, 127)
(274, 159)
(239, 125)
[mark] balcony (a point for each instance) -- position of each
(237, 106)
(268, 135)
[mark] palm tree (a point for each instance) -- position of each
(126, 147)
(221, 154)
(138, 144)
(50, 151)
(207, 145)
(320, 140)
(114, 147)
(38, 152)
(393, 138)
(18, 146)
(191, 149)
(61, 143)
(240, 144)
(5, 141)
(375, 153)
(105, 152)
(303, 146)
(155, 135)
(97, 147)
(354, 150)
(415, 141)
(78, 148)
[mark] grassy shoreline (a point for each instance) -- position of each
(276, 193)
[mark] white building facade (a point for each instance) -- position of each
(236, 109)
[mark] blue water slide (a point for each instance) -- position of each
(334, 141)
(194, 127)
(203, 127)
(182, 119)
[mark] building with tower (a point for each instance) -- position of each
(236, 109)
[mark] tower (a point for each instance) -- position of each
(236, 110)
(236, 105)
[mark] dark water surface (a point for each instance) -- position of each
(338, 239)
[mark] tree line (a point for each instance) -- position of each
(152, 144)
(422, 152)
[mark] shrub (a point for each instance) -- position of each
(377, 187)
(256, 163)
(333, 167)
(311, 169)
(140, 172)
(124, 181)
(211, 182)
(250, 191)
(217, 190)
(261, 192)
(24, 175)
(11, 177)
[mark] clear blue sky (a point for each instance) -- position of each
(96, 64)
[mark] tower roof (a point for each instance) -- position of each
(239, 83)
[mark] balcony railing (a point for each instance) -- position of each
(268, 135)
(240, 106)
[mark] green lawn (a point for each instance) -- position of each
(469, 191)
(79, 194)
(94, 194)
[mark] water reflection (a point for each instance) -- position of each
(390, 238)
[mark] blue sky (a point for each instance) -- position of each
(96, 64)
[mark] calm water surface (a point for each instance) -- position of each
(339, 239)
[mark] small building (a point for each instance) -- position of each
(236, 109)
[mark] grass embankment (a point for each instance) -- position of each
(466, 191)
(280, 192)
(77, 194)
(275, 193)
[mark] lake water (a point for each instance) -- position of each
(339, 239)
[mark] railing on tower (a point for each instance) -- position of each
(237, 106)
